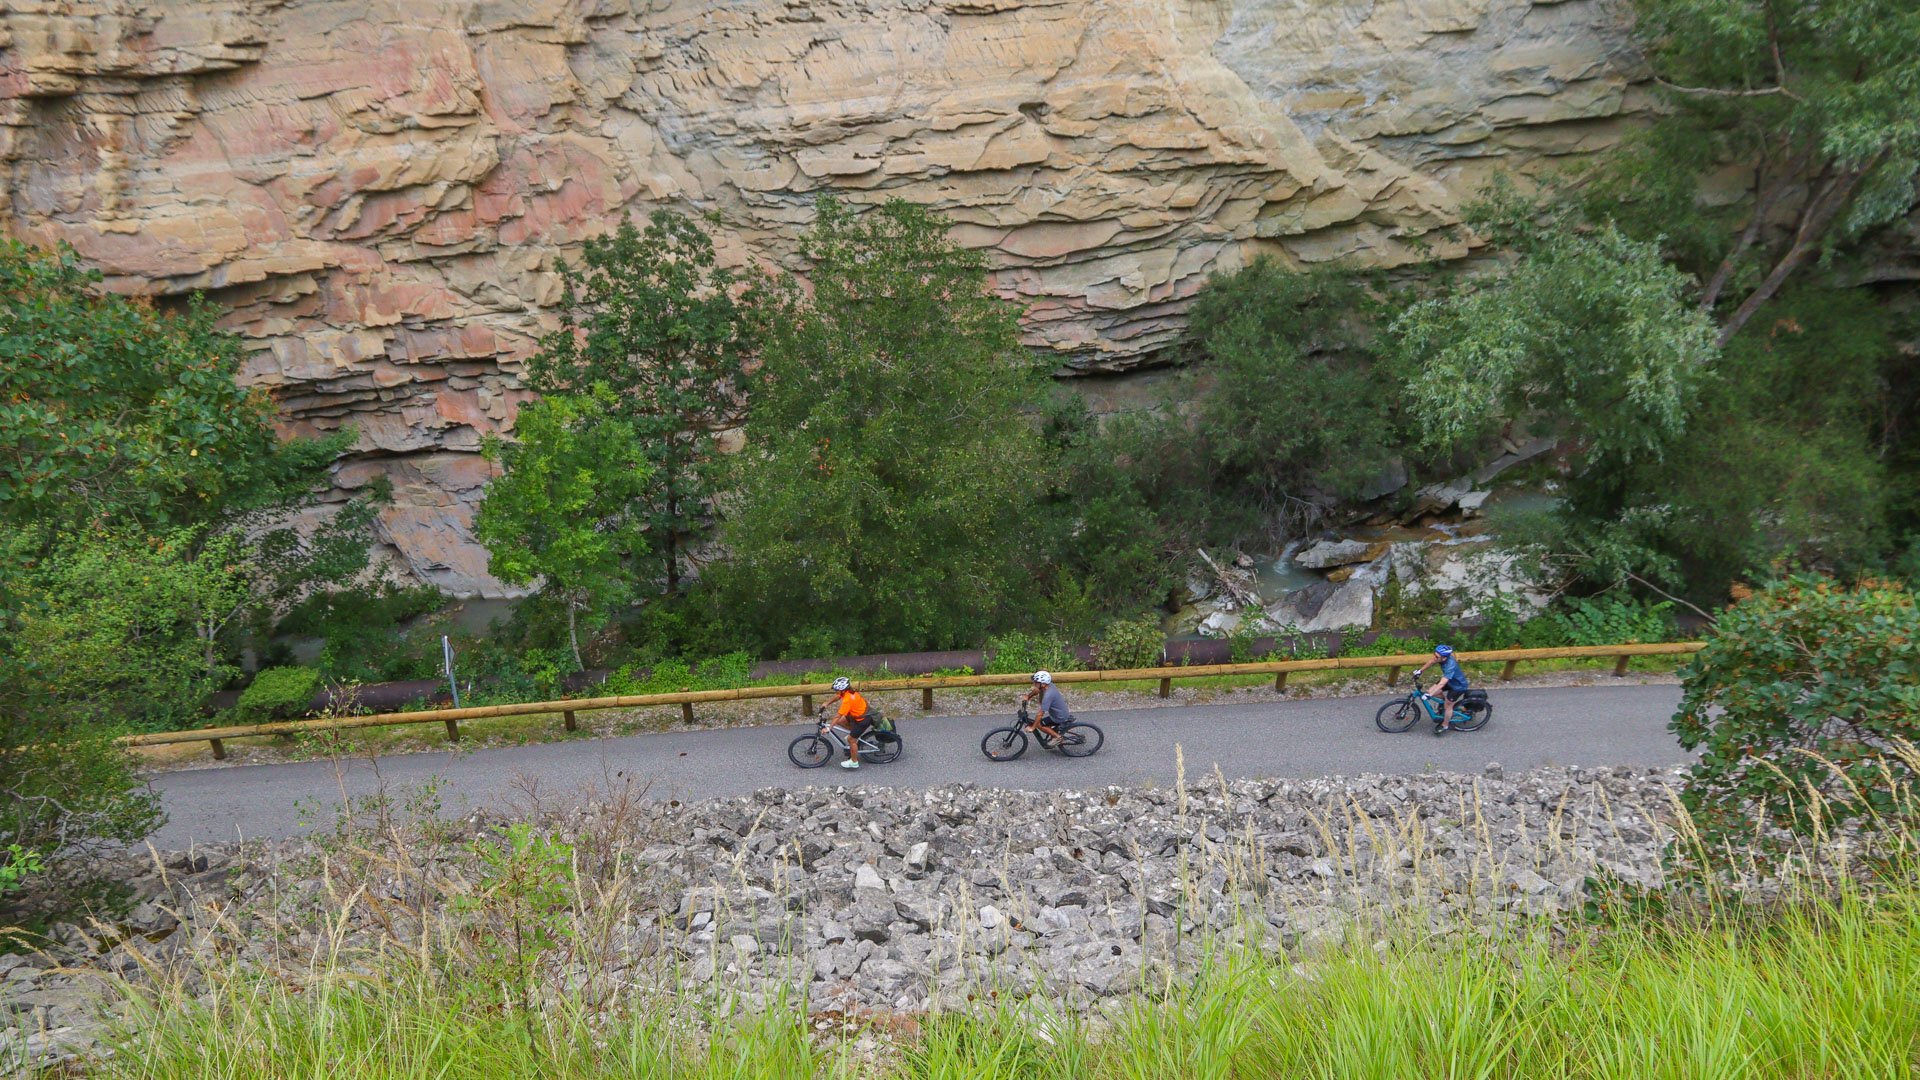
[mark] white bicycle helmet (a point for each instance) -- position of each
(1044, 678)
(842, 684)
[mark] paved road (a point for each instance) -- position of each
(1591, 725)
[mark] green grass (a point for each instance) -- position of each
(1815, 989)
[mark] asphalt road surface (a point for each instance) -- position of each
(1582, 725)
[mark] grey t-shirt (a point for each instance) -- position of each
(1053, 704)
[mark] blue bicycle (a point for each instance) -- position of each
(1470, 713)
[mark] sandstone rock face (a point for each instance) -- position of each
(380, 189)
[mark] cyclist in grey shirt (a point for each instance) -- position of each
(1053, 704)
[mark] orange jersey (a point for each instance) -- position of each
(852, 706)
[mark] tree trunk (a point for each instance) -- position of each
(1822, 207)
(573, 633)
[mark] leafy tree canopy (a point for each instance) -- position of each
(651, 318)
(112, 410)
(566, 508)
(1812, 102)
(888, 471)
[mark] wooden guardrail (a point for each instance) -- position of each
(569, 707)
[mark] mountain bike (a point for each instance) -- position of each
(1471, 713)
(1075, 738)
(877, 746)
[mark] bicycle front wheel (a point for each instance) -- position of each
(810, 751)
(1004, 744)
(883, 746)
(1395, 716)
(1081, 740)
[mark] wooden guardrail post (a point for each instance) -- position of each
(1620, 668)
(1506, 671)
(1393, 676)
(572, 724)
(453, 731)
(686, 712)
(219, 749)
(806, 704)
(1166, 687)
(1279, 682)
(926, 699)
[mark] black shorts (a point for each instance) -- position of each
(1452, 695)
(859, 725)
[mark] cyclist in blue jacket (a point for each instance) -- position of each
(1453, 682)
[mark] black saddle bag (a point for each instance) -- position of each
(1473, 700)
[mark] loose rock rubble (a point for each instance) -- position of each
(884, 900)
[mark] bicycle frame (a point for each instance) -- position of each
(838, 737)
(1432, 705)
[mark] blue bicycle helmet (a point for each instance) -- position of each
(1443, 651)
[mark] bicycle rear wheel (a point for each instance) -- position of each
(810, 751)
(882, 747)
(1004, 744)
(1081, 740)
(1473, 721)
(1396, 716)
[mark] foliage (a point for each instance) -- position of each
(18, 866)
(1131, 643)
(727, 672)
(279, 693)
(1588, 328)
(1814, 101)
(1612, 619)
(565, 509)
(1016, 651)
(521, 912)
(655, 330)
(113, 411)
(71, 801)
(1805, 707)
(361, 627)
(1298, 406)
(1127, 500)
(884, 489)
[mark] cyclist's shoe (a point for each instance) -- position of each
(849, 764)
(1439, 727)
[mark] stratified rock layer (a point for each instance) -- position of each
(380, 189)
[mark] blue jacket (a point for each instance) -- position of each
(1456, 679)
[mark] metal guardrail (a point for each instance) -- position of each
(569, 707)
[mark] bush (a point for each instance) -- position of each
(1805, 709)
(1015, 651)
(1131, 643)
(1614, 620)
(278, 693)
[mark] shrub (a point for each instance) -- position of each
(1016, 651)
(278, 693)
(1805, 709)
(1131, 643)
(1615, 620)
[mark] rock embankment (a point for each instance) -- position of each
(875, 899)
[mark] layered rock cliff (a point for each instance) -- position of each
(379, 189)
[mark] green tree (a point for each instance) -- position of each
(1298, 405)
(884, 491)
(1801, 705)
(145, 505)
(567, 509)
(112, 410)
(1587, 329)
(1813, 102)
(654, 318)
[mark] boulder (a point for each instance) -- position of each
(1328, 553)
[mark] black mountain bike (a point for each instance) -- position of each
(877, 747)
(1076, 738)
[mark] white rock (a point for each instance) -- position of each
(868, 878)
(990, 917)
(1350, 606)
(1472, 501)
(1329, 553)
